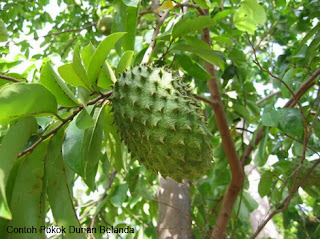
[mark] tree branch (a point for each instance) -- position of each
(147, 55)
(236, 183)
(70, 118)
(8, 78)
(268, 97)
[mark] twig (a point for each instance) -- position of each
(298, 141)
(148, 11)
(9, 78)
(55, 130)
(148, 52)
(199, 97)
(268, 97)
(304, 88)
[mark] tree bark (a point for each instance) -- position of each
(174, 219)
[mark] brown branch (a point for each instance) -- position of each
(236, 183)
(268, 97)
(147, 55)
(70, 118)
(8, 78)
(303, 88)
(206, 100)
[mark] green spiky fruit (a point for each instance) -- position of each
(104, 24)
(161, 123)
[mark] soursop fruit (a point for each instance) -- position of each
(104, 25)
(161, 123)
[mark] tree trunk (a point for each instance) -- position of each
(174, 219)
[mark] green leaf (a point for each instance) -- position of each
(222, 39)
(262, 156)
(196, 42)
(270, 118)
(312, 32)
(119, 194)
(202, 3)
(131, 3)
(84, 120)
(247, 205)
(248, 16)
(191, 25)
(58, 88)
(142, 190)
(22, 99)
(238, 57)
(125, 61)
(84, 95)
(223, 14)
(291, 122)
(3, 32)
(114, 149)
(91, 147)
(72, 147)
(192, 68)
(79, 68)
(58, 191)
(287, 79)
(316, 128)
(265, 184)
(243, 111)
(312, 50)
(28, 196)
(207, 54)
(86, 54)
(130, 28)
(69, 75)
(11, 145)
(99, 56)
(106, 76)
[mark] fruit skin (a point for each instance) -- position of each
(104, 24)
(162, 123)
